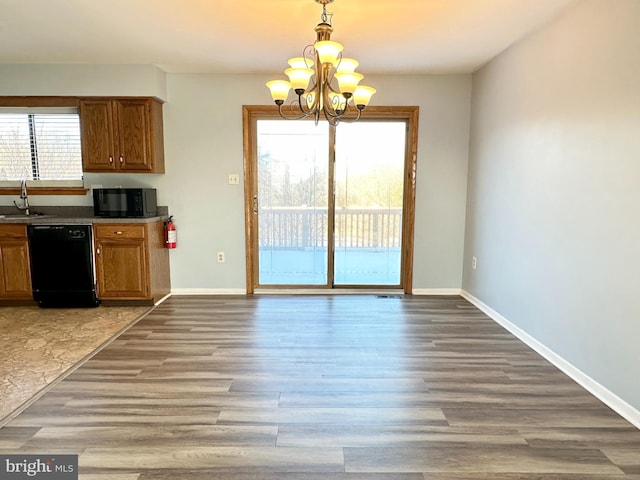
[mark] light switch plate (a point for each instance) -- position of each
(234, 179)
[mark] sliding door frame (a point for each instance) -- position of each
(252, 113)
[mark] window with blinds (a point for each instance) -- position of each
(40, 145)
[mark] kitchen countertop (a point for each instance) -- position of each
(71, 215)
(60, 219)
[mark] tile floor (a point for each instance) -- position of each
(39, 345)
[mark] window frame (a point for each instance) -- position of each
(41, 101)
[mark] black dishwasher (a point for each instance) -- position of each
(62, 273)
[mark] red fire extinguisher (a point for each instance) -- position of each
(170, 234)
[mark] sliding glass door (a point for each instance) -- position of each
(292, 202)
(326, 206)
(369, 187)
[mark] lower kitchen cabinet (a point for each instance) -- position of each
(15, 274)
(131, 262)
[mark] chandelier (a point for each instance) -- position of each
(316, 88)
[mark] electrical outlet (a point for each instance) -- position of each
(220, 257)
(234, 179)
(474, 262)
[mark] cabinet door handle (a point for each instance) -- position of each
(110, 159)
(118, 233)
(121, 159)
(97, 251)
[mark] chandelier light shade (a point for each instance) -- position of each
(324, 82)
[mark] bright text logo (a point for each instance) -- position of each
(49, 467)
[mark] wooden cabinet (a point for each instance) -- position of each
(15, 273)
(122, 135)
(131, 261)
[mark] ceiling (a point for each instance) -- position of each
(258, 36)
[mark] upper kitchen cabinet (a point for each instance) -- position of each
(122, 135)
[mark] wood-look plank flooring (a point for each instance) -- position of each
(324, 387)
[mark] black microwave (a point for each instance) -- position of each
(125, 202)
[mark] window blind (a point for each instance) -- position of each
(40, 146)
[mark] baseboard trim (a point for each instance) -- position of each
(437, 291)
(208, 291)
(605, 395)
(162, 299)
(325, 291)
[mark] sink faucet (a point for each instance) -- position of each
(24, 197)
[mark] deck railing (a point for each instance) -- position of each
(304, 227)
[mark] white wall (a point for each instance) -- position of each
(82, 80)
(203, 137)
(203, 144)
(554, 190)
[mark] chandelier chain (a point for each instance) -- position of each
(326, 17)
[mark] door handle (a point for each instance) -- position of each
(255, 204)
